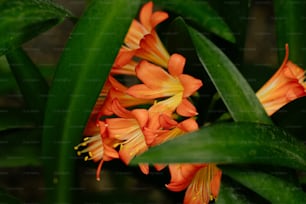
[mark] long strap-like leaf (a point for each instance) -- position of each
(80, 75)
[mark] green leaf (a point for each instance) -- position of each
(22, 20)
(290, 28)
(20, 148)
(236, 93)
(201, 13)
(227, 143)
(231, 192)
(80, 75)
(273, 188)
(33, 86)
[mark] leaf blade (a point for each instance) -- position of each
(32, 85)
(236, 93)
(231, 143)
(264, 184)
(23, 20)
(78, 90)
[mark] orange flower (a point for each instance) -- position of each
(158, 83)
(142, 37)
(172, 129)
(118, 92)
(124, 63)
(127, 131)
(98, 148)
(201, 180)
(286, 85)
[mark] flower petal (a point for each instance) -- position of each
(190, 84)
(153, 50)
(142, 116)
(176, 64)
(141, 91)
(151, 75)
(145, 15)
(158, 17)
(188, 125)
(186, 108)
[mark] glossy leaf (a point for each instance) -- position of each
(201, 13)
(290, 28)
(235, 143)
(32, 85)
(20, 148)
(236, 93)
(22, 20)
(234, 193)
(80, 75)
(273, 188)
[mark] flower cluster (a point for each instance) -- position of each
(155, 106)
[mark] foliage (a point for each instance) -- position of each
(236, 133)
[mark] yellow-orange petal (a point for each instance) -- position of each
(176, 64)
(188, 125)
(166, 106)
(134, 145)
(204, 186)
(144, 168)
(186, 108)
(152, 49)
(141, 115)
(119, 110)
(145, 15)
(167, 122)
(190, 84)
(153, 76)
(121, 128)
(181, 176)
(124, 57)
(135, 33)
(158, 17)
(159, 167)
(141, 91)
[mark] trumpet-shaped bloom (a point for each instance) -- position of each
(143, 39)
(286, 85)
(98, 149)
(127, 131)
(201, 180)
(158, 83)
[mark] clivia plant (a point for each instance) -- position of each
(156, 85)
